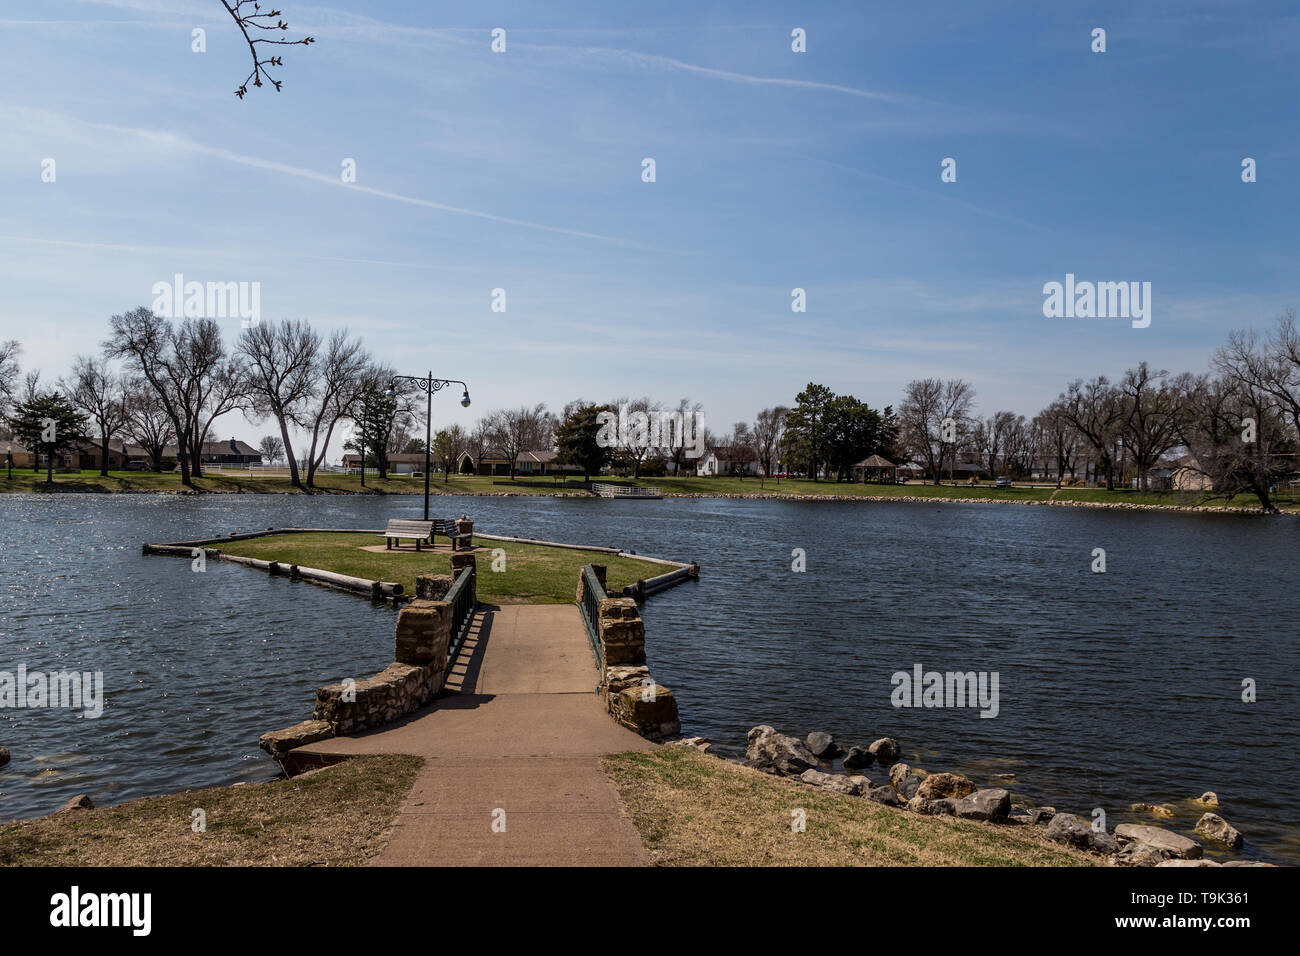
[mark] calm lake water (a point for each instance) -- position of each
(1113, 688)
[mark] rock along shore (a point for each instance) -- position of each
(952, 794)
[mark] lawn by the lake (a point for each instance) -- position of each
(532, 574)
(328, 483)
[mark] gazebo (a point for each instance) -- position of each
(873, 469)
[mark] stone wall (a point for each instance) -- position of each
(414, 678)
(631, 694)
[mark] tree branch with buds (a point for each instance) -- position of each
(248, 16)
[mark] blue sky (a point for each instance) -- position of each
(775, 170)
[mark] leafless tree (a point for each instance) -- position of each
(1095, 409)
(9, 352)
(250, 19)
(990, 439)
(768, 429)
(340, 384)
(1235, 459)
(95, 389)
(927, 405)
(517, 430)
(282, 375)
(170, 359)
(1059, 437)
(636, 445)
(1153, 407)
(147, 422)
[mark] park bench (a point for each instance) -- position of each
(447, 529)
(399, 528)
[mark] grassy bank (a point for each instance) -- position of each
(534, 574)
(338, 816)
(695, 810)
(145, 482)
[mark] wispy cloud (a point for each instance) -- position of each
(169, 140)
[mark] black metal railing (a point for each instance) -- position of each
(461, 598)
(592, 594)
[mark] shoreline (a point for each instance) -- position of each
(761, 495)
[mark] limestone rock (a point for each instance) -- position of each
(886, 795)
(278, 742)
(1208, 799)
(772, 751)
(945, 785)
(886, 751)
(836, 782)
(1141, 854)
(423, 633)
(931, 807)
(1155, 809)
(823, 745)
(702, 744)
(991, 804)
(1070, 829)
(858, 758)
(79, 802)
(650, 711)
(1176, 845)
(1041, 815)
(1187, 863)
(1216, 828)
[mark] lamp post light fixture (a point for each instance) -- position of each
(428, 384)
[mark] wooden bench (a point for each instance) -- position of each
(399, 528)
(447, 529)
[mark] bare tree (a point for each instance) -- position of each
(518, 430)
(250, 19)
(220, 382)
(9, 352)
(155, 350)
(1060, 437)
(1235, 458)
(637, 443)
(928, 406)
(1153, 407)
(147, 422)
(95, 389)
(768, 429)
(282, 375)
(340, 385)
(271, 448)
(1096, 410)
(991, 438)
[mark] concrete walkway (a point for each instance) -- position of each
(522, 733)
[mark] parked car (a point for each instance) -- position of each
(1003, 482)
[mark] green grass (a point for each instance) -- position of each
(534, 574)
(136, 481)
(338, 816)
(695, 810)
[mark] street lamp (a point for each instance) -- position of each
(428, 385)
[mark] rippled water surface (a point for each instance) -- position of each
(1114, 688)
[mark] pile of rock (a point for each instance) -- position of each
(951, 794)
(944, 793)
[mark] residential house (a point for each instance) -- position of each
(727, 460)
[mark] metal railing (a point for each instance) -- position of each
(606, 490)
(592, 594)
(462, 603)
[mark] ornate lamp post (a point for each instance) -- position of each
(428, 385)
